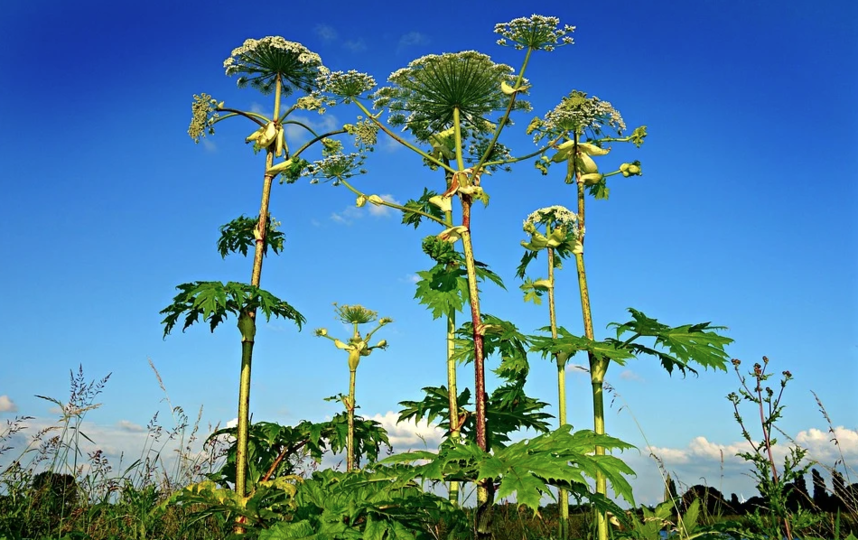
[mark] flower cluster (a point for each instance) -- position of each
(577, 113)
(335, 167)
(364, 131)
(558, 216)
(260, 62)
(425, 94)
(203, 116)
(536, 33)
(314, 102)
(346, 85)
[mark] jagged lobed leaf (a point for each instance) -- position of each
(213, 301)
(527, 468)
(698, 343)
(568, 343)
(237, 237)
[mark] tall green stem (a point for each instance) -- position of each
(247, 345)
(452, 389)
(562, 495)
(598, 366)
(350, 409)
(485, 490)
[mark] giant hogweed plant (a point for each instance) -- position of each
(356, 347)
(583, 124)
(559, 240)
(444, 102)
(275, 66)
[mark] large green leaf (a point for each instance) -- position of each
(213, 301)
(570, 344)
(697, 343)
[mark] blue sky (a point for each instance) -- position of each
(744, 215)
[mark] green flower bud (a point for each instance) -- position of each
(361, 200)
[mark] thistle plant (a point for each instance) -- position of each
(271, 65)
(559, 240)
(357, 347)
(772, 485)
(586, 125)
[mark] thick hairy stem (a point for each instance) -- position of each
(350, 408)
(453, 396)
(598, 366)
(243, 424)
(562, 495)
(485, 489)
(247, 345)
(453, 391)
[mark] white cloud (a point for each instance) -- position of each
(7, 405)
(382, 211)
(296, 135)
(409, 278)
(232, 423)
(128, 425)
(326, 32)
(411, 39)
(409, 435)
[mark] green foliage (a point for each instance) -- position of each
(214, 300)
(280, 450)
(443, 289)
(698, 343)
(501, 337)
(508, 410)
(364, 505)
(527, 468)
(421, 204)
(569, 344)
(238, 235)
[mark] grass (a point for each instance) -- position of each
(57, 489)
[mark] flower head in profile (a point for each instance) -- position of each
(554, 216)
(424, 95)
(356, 314)
(259, 62)
(535, 32)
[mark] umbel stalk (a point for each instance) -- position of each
(562, 495)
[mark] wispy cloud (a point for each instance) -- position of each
(355, 45)
(629, 375)
(409, 278)
(351, 213)
(209, 145)
(326, 32)
(411, 39)
(382, 211)
(7, 405)
(296, 134)
(128, 425)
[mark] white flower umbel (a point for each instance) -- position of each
(556, 216)
(258, 62)
(536, 32)
(423, 95)
(577, 113)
